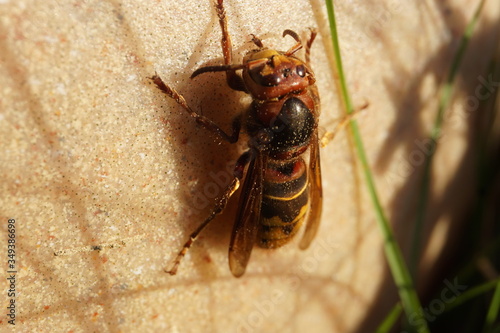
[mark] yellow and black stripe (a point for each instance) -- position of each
(285, 201)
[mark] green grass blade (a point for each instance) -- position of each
(400, 273)
(434, 137)
(492, 314)
(390, 319)
(473, 293)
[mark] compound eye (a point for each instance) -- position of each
(301, 70)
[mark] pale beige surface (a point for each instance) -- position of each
(93, 154)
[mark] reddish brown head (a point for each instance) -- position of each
(271, 74)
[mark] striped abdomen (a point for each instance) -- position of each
(285, 201)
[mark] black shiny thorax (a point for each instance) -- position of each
(282, 127)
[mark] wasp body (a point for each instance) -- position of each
(281, 169)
